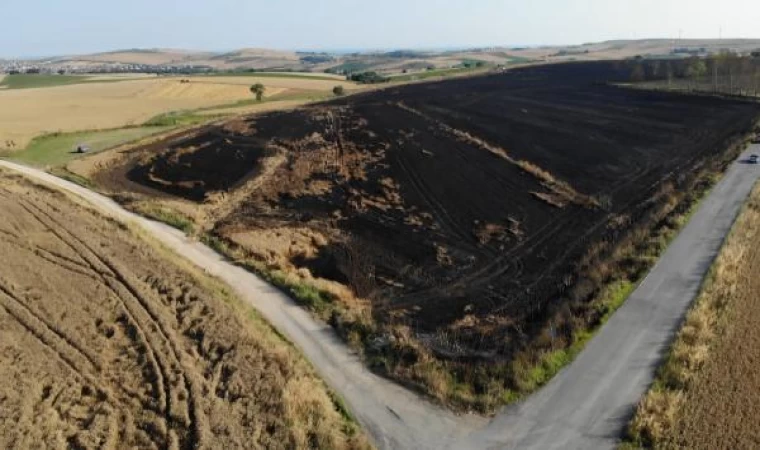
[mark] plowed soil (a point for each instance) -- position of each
(104, 343)
(720, 405)
(460, 208)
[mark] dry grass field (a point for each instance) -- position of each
(706, 395)
(110, 342)
(27, 113)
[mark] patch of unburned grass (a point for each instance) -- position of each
(167, 216)
(57, 149)
(439, 73)
(179, 118)
(61, 172)
(294, 75)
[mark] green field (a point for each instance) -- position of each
(438, 73)
(27, 81)
(271, 75)
(59, 148)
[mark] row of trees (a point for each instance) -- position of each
(724, 73)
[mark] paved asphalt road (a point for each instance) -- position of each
(586, 406)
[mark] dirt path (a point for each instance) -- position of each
(585, 406)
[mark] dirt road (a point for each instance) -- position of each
(585, 406)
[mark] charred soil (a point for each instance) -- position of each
(477, 221)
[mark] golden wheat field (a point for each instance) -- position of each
(108, 341)
(27, 113)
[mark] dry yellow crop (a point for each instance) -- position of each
(26, 113)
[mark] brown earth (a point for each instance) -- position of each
(105, 343)
(709, 396)
(477, 217)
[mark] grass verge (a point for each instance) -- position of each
(165, 215)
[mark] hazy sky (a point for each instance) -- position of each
(51, 27)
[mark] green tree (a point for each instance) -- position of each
(338, 91)
(696, 69)
(258, 90)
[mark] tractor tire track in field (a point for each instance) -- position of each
(107, 342)
(150, 329)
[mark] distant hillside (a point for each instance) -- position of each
(397, 61)
(244, 58)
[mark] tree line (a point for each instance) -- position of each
(725, 73)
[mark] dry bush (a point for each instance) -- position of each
(655, 416)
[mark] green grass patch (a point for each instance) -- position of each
(57, 149)
(438, 73)
(550, 363)
(28, 81)
(61, 172)
(295, 75)
(518, 60)
(167, 216)
(319, 301)
(306, 97)
(31, 80)
(179, 118)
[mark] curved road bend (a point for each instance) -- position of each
(587, 405)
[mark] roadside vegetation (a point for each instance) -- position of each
(704, 394)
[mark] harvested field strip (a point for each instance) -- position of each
(561, 189)
(106, 344)
(705, 394)
(139, 312)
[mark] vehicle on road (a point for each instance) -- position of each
(753, 159)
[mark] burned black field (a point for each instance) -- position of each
(477, 212)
